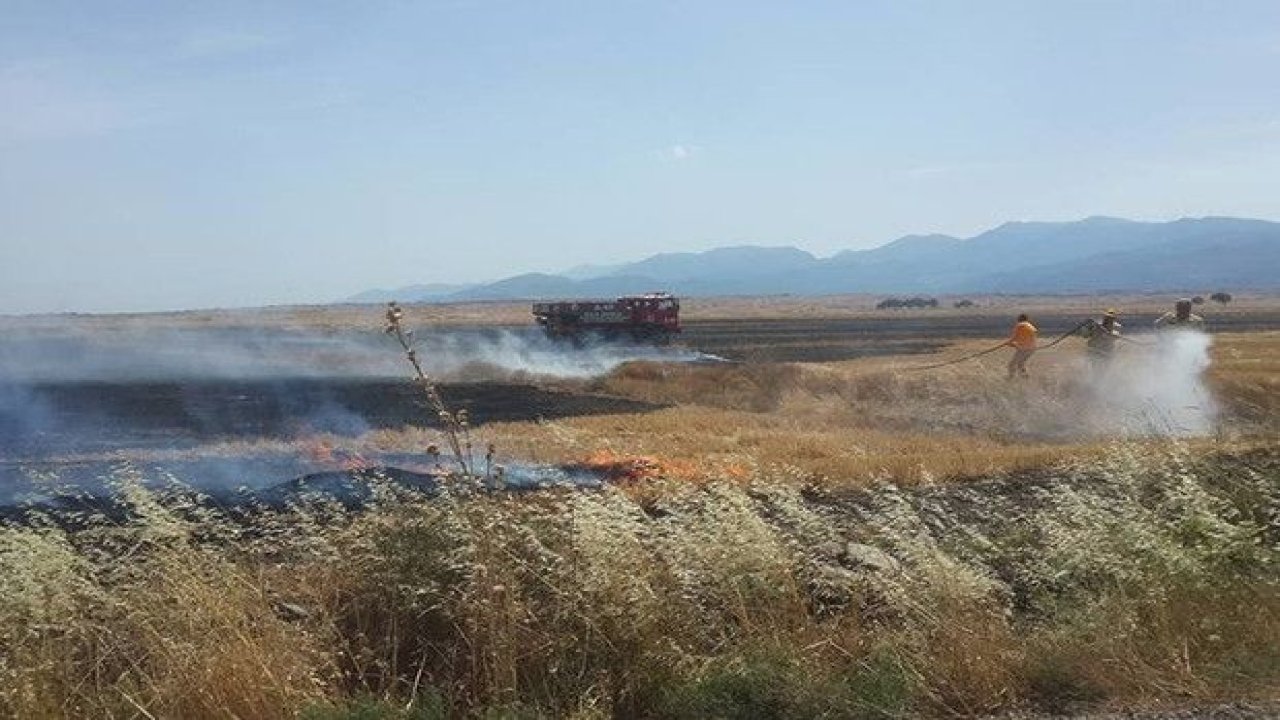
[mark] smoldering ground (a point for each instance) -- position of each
(74, 378)
(79, 404)
(75, 389)
(1152, 386)
(75, 352)
(1159, 389)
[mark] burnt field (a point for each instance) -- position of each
(88, 417)
(103, 384)
(900, 333)
(145, 387)
(78, 395)
(64, 439)
(249, 404)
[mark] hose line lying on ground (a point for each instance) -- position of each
(990, 350)
(971, 356)
(1055, 341)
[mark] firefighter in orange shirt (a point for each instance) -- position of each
(1023, 342)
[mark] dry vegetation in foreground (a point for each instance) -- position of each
(1138, 577)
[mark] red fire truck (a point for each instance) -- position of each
(654, 317)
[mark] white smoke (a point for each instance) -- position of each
(75, 353)
(458, 354)
(1156, 391)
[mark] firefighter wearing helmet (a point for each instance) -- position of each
(1101, 337)
(1181, 318)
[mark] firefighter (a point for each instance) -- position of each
(1101, 338)
(1023, 342)
(1181, 318)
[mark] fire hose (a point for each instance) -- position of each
(1065, 335)
(1115, 335)
(1005, 343)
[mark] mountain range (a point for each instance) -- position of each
(1092, 255)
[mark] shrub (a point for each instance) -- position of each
(771, 687)
(911, 302)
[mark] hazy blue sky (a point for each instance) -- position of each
(171, 154)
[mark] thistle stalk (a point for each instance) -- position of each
(454, 425)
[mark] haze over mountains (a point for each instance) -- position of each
(1091, 255)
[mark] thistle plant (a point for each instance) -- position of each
(456, 426)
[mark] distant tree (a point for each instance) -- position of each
(963, 304)
(1197, 300)
(911, 302)
(1221, 297)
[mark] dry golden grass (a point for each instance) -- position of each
(849, 422)
(1137, 575)
(1246, 376)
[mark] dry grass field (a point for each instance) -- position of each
(849, 422)
(849, 538)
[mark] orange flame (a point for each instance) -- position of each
(618, 466)
(323, 452)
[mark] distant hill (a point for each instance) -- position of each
(1094, 254)
(1196, 255)
(538, 285)
(727, 262)
(412, 293)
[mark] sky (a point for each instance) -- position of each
(175, 155)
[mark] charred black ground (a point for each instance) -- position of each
(890, 333)
(235, 384)
(96, 416)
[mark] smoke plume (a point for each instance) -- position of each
(1159, 391)
(77, 353)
